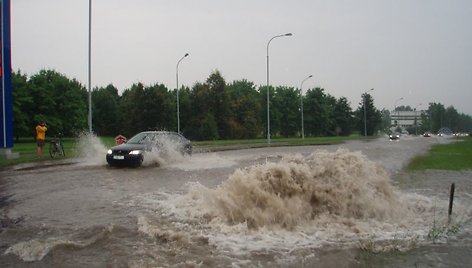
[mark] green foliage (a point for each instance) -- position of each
(286, 112)
(201, 107)
(209, 110)
(319, 113)
(437, 117)
(106, 113)
(245, 122)
(48, 96)
(208, 129)
(185, 103)
(157, 108)
(219, 103)
(386, 121)
(22, 101)
(145, 108)
(131, 103)
(343, 117)
(263, 90)
(368, 117)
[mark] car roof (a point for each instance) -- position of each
(158, 132)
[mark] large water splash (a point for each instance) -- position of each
(325, 197)
(298, 190)
(165, 151)
(91, 151)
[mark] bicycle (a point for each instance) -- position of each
(56, 147)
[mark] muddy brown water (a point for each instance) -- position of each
(348, 205)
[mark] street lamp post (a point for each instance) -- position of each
(268, 113)
(177, 78)
(90, 68)
(416, 119)
(301, 104)
(365, 113)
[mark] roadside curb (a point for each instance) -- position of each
(197, 149)
(38, 164)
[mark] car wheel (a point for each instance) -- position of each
(139, 162)
(188, 150)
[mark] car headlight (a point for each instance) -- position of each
(109, 151)
(135, 152)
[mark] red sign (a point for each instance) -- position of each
(120, 139)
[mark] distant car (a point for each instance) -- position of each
(394, 136)
(132, 152)
(427, 134)
(444, 131)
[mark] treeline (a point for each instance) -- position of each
(211, 110)
(437, 116)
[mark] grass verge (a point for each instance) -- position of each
(257, 143)
(28, 151)
(451, 156)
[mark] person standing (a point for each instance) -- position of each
(41, 129)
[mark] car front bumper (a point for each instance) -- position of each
(124, 160)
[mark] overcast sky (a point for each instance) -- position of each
(418, 50)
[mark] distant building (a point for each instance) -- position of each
(405, 119)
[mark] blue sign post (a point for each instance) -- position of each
(6, 109)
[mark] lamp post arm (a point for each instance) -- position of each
(267, 77)
(177, 91)
(267, 68)
(90, 68)
(301, 105)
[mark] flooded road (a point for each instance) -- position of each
(348, 205)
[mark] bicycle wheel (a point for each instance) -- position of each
(52, 149)
(61, 149)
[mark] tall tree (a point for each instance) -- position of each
(245, 109)
(59, 101)
(263, 104)
(404, 108)
(368, 117)
(386, 120)
(436, 112)
(130, 102)
(286, 115)
(319, 108)
(464, 124)
(157, 108)
(343, 117)
(451, 118)
(219, 103)
(202, 123)
(22, 106)
(107, 117)
(185, 109)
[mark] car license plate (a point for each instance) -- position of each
(118, 157)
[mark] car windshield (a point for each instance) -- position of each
(142, 138)
(153, 138)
